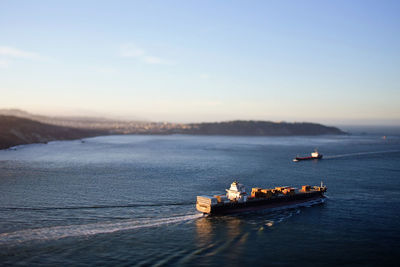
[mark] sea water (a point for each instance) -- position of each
(130, 200)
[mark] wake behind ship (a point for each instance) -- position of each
(236, 199)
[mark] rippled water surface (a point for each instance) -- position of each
(129, 200)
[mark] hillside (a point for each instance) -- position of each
(260, 128)
(17, 131)
(20, 130)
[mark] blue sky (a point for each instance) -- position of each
(334, 62)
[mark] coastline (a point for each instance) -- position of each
(15, 131)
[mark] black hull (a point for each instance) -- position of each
(265, 204)
(308, 158)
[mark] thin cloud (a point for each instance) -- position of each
(153, 60)
(4, 64)
(132, 51)
(105, 70)
(204, 76)
(7, 51)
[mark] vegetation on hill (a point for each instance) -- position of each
(18, 131)
(21, 130)
(261, 128)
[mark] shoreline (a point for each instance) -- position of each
(14, 147)
(16, 131)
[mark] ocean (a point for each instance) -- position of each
(130, 201)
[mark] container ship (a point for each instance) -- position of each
(236, 199)
(314, 155)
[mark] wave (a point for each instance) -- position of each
(360, 154)
(295, 206)
(16, 147)
(58, 232)
(99, 206)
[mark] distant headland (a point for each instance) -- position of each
(19, 131)
(19, 127)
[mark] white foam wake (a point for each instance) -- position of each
(360, 154)
(299, 205)
(57, 232)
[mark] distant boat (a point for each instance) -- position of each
(314, 155)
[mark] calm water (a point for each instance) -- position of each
(129, 200)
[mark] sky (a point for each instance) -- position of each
(334, 62)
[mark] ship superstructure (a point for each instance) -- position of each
(236, 192)
(237, 200)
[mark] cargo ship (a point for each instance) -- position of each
(314, 155)
(236, 199)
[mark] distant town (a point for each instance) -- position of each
(20, 127)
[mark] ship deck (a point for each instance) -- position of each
(260, 203)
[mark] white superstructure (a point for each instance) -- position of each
(236, 192)
(315, 154)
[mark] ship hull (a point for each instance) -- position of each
(308, 158)
(262, 204)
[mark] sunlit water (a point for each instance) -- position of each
(129, 200)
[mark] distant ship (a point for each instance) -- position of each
(236, 199)
(314, 155)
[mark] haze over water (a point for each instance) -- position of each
(130, 200)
